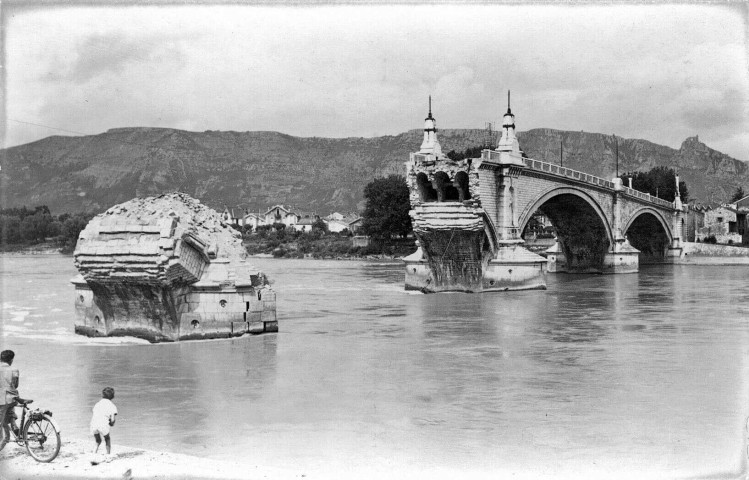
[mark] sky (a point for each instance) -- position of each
(657, 72)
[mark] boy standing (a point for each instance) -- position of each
(104, 416)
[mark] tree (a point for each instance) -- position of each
(387, 207)
(738, 194)
(320, 225)
(10, 229)
(470, 152)
(71, 228)
(659, 182)
(37, 226)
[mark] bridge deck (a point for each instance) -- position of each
(555, 169)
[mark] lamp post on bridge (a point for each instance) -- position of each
(616, 147)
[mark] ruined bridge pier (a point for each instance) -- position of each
(469, 216)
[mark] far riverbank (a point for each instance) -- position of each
(325, 246)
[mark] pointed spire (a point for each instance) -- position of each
(508, 142)
(430, 143)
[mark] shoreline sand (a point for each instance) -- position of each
(127, 463)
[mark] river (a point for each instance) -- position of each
(621, 376)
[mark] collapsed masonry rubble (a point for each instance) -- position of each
(167, 268)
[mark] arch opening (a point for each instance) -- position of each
(461, 183)
(646, 234)
(581, 232)
(440, 182)
(427, 193)
(446, 191)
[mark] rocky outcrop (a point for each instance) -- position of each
(167, 268)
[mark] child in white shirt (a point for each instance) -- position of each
(104, 416)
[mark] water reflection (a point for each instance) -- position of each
(458, 317)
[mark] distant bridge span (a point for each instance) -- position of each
(469, 217)
(617, 206)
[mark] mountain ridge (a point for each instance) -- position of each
(258, 169)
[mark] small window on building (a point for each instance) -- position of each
(720, 219)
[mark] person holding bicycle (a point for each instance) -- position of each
(8, 389)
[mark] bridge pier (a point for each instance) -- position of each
(512, 268)
(515, 268)
(622, 258)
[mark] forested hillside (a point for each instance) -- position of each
(258, 169)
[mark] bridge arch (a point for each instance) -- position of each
(531, 208)
(461, 183)
(649, 231)
(427, 193)
(655, 213)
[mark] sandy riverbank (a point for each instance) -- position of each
(73, 462)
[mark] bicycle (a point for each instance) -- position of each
(39, 433)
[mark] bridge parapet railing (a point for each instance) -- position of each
(490, 155)
(422, 158)
(648, 197)
(567, 172)
(592, 179)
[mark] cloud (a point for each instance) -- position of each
(659, 72)
(112, 53)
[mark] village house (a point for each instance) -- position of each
(252, 220)
(305, 224)
(305, 221)
(299, 221)
(233, 216)
(742, 225)
(355, 225)
(338, 222)
(280, 214)
(720, 222)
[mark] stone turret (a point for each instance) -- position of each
(509, 141)
(430, 145)
(456, 219)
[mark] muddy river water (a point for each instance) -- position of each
(628, 376)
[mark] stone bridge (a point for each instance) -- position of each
(470, 216)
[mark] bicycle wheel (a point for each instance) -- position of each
(42, 439)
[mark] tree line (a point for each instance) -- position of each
(22, 226)
(659, 182)
(385, 218)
